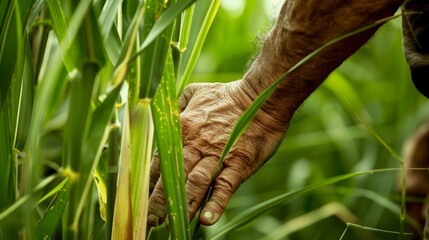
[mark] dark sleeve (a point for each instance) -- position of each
(415, 23)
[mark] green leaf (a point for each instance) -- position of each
(141, 154)
(7, 163)
(371, 233)
(154, 56)
(311, 218)
(107, 17)
(80, 38)
(13, 27)
(54, 191)
(61, 30)
(47, 225)
(196, 50)
(122, 218)
(24, 96)
(100, 179)
(11, 217)
(250, 214)
(167, 17)
(168, 135)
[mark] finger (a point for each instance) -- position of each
(157, 209)
(186, 96)
(198, 182)
(155, 172)
(224, 186)
(191, 157)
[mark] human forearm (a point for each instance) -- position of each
(302, 27)
(210, 111)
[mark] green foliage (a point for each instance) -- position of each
(88, 89)
(80, 77)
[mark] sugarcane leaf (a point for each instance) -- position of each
(141, 154)
(54, 191)
(47, 225)
(168, 135)
(13, 19)
(164, 21)
(196, 49)
(107, 17)
(24, 96)
(11, 217)
(100, 179)
(61, 30)
(122, 217)
(154, 56)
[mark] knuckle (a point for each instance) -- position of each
(240, 158)
(157, 199)
(199, 178)
(225, 185)
(189, 90)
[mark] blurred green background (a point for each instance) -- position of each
(325, 138)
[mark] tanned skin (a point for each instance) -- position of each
(209, 111)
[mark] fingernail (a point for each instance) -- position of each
(208, 215)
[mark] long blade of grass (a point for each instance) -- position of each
(10, 218)
(385, 233)
(185, 28)
(122, 217)
(396, 156)
(3, 9)
(107, 16)
(250, 214)
(112, 164)
(211, 14)
(168, 135)
(186, 46)
(23, 100)
(54, 191)
(141, 154)
(308, 219)
(128, 45)
(382, 201)
(13, 19)
(246, 118)
(181, 36)
(47, 225)
(65, 35)
(7, 164)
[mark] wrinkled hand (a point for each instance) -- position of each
(209, 112)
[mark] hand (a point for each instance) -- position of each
(209, 113)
